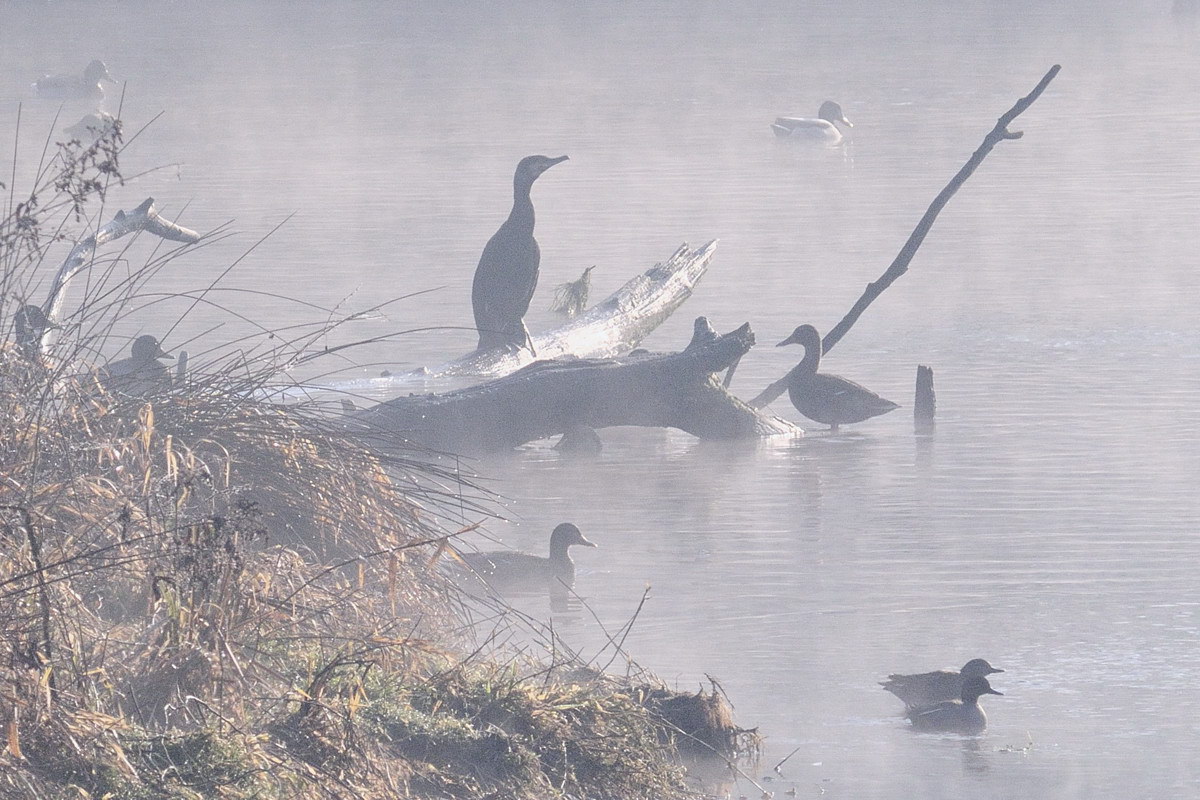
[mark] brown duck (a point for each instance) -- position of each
(828, 399)
(512, 571)
(956, 716)
(930, 688)
(141, 374)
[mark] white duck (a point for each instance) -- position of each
(75, 87)
(823, 129)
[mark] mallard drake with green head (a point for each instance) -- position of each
(823, 128)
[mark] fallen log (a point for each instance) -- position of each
(546, 398)
(612, 327)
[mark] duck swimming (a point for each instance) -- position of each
(75, 87)
(824, 128)
(506, 569)
(930, 688)
(828, 399)
(956, 716)
(141, 374)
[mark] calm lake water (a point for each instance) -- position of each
(1050, 522)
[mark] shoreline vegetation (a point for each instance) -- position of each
(204, 594)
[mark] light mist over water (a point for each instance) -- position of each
(1048, 525)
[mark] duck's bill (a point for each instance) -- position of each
(586, 542)
(847, 123)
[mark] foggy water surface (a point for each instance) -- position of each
(1049, 524)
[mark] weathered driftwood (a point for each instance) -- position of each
(142, 218)
(899, 265)
(546, 398)
(613, 326)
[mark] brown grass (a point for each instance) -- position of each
(207, 594)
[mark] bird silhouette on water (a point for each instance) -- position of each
(75, 87)
(956, 716)
(925, 689)
(828, 399)
(142, 373)
(507, 570)
(508, 269)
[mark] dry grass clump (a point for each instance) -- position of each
(207, 594)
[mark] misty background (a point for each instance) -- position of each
(1050, 523)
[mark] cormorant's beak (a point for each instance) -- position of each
(993, 691)
(163, 354)
(558, 160)
(788, 340)
(583, 540)
(994, 669)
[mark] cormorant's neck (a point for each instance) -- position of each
(522, 210)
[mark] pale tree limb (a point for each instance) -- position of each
(144, 217)
(900, 265)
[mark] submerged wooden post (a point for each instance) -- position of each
(925, 402)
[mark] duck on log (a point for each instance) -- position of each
(674, 390)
